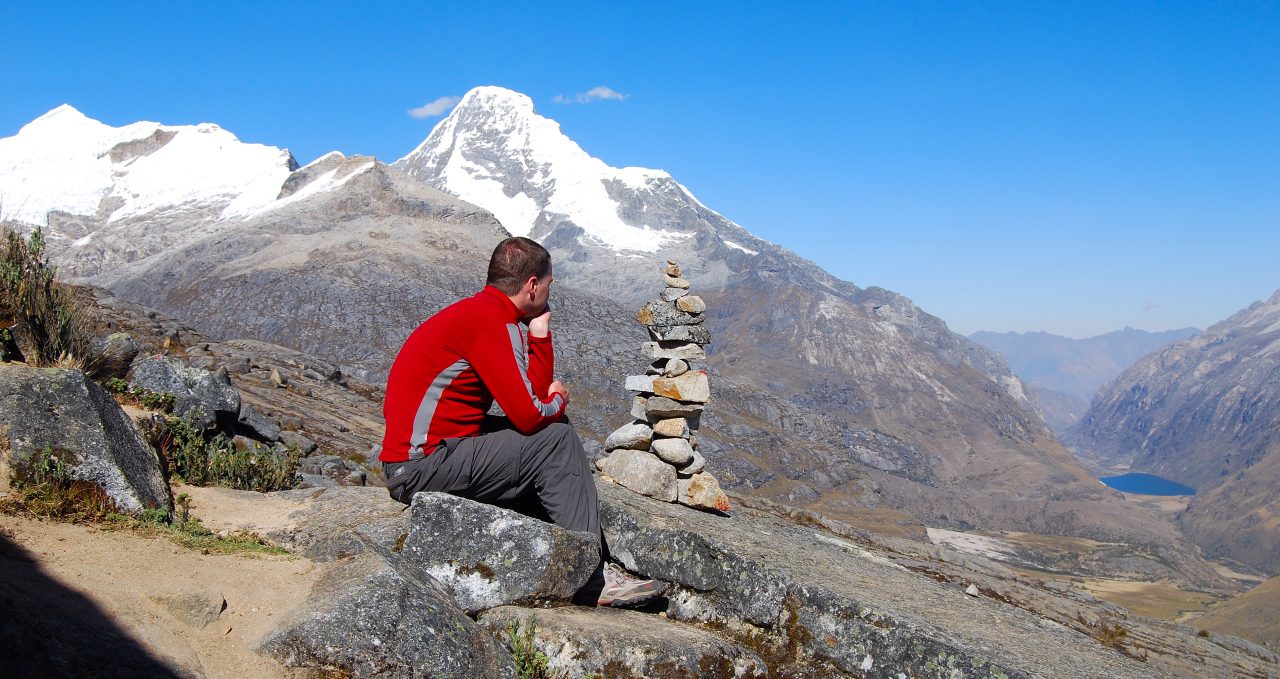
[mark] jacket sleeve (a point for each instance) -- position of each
(542, 364)
(501, 361)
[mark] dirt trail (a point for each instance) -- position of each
(113, 603)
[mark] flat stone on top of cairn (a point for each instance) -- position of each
(667, 408)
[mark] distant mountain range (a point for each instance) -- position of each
(1205, 412)
(825, 395)
(1063, 373)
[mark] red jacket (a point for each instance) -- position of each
(455, 365)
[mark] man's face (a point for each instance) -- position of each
(543, 292)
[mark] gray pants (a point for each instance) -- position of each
(507, 468)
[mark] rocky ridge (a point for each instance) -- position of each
(1199, 412)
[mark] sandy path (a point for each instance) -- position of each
(79, 595)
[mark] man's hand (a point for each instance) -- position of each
(540, 325)
(557, 387)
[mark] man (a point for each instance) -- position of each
(496, 346)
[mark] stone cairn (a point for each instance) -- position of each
(656, 454)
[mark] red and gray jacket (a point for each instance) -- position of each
(455, 365)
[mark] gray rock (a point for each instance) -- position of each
(673, 451)
(642, 473)
(113, 355)
(672, 294)
(681, 333)
(675, 282)
(656, 312)
(338, 523)
(63, 410)
(316, 481)
(638, 407)
(674, 349)
(697, 464)
(193, 609)
(331, 466)
(674, 368)
(279, 378)
(691, 304)
(661, 407)
(292, 438)
(365, 618)
(203, 397)
(487, 556)
(640, 383)
(257, 425)
(635, 435)
(584, 642)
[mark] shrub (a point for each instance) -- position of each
(216, 461)
(44, 488)
(47, 319)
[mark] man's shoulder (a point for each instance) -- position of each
(477, 312)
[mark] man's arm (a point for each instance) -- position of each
(498, 357)
(542, 358)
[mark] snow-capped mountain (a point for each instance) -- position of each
(495, 151)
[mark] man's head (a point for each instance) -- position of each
(521, 268)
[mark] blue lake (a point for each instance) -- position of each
(1147, 484)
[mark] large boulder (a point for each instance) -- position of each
(488, 556)
(366, 619)
(206, 398)
(64, 412)
(585, 642)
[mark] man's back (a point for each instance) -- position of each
(453, 366)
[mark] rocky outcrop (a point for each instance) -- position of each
(583, 642)
(64, 414)
(367, 619)
(204, 398)
(488, 557)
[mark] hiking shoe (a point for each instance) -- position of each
(622, 588)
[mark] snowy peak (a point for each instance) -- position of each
(495, 151)
(66, 162)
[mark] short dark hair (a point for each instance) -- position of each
(514, 261)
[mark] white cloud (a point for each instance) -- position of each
(600, 93)
(434, 108)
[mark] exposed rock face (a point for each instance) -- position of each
(589, 643)
(367, 618)
(66, 413)
(487, 557)
(1201, 412)
(760, 574)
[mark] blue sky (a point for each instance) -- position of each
(1069, 167)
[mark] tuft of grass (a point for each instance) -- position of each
(529, 661)
(44, 318)
(191, 534)
(202, 461)
(161, 401)
(44, 488)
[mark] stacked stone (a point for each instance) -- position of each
(656, 454)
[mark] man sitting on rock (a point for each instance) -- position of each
(496, 345)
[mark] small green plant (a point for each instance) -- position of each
(530, 662)
(45, 313)
(216, 461)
